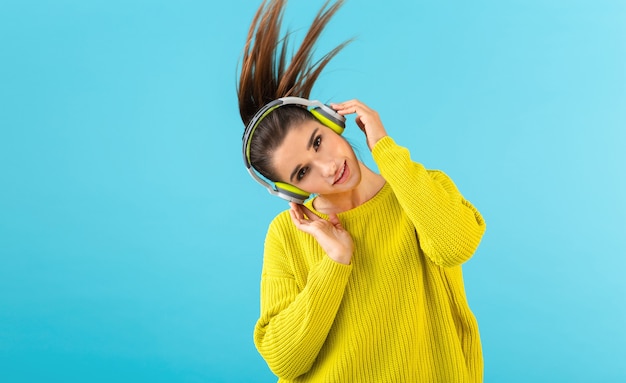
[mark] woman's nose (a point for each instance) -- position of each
(329, 168)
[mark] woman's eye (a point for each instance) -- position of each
(301, 173)
(317, 143)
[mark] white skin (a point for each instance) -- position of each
(316, 159)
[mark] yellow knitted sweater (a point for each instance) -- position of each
(398, 312)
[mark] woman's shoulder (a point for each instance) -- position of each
(281, 222)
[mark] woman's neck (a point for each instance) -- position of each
(370, 185)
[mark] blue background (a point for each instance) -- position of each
(131, 236)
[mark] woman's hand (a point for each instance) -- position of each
(367, 119)
(331, 236)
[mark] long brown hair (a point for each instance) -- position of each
(267, 73)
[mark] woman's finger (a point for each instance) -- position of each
(295, 218)
(308, 213)
(352, 106)
(300, 214)
(332, 218)
(303, 213)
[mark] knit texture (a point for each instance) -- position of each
(398, 312)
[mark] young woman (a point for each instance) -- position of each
(362, 282)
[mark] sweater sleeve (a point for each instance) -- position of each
(448, 226)
(295, 320)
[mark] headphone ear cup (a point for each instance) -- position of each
(334, 121)
(291, 190)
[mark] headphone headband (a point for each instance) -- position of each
(325, 114)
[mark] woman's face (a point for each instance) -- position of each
(317, 160)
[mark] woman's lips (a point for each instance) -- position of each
(343, 174)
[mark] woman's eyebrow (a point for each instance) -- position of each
(312, 139)
(308, 147)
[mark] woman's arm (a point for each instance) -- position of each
(448, 226)
(295, 320)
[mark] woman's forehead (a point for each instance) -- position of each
(295, 145)
(299, 136)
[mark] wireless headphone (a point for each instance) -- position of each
(323, 113)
